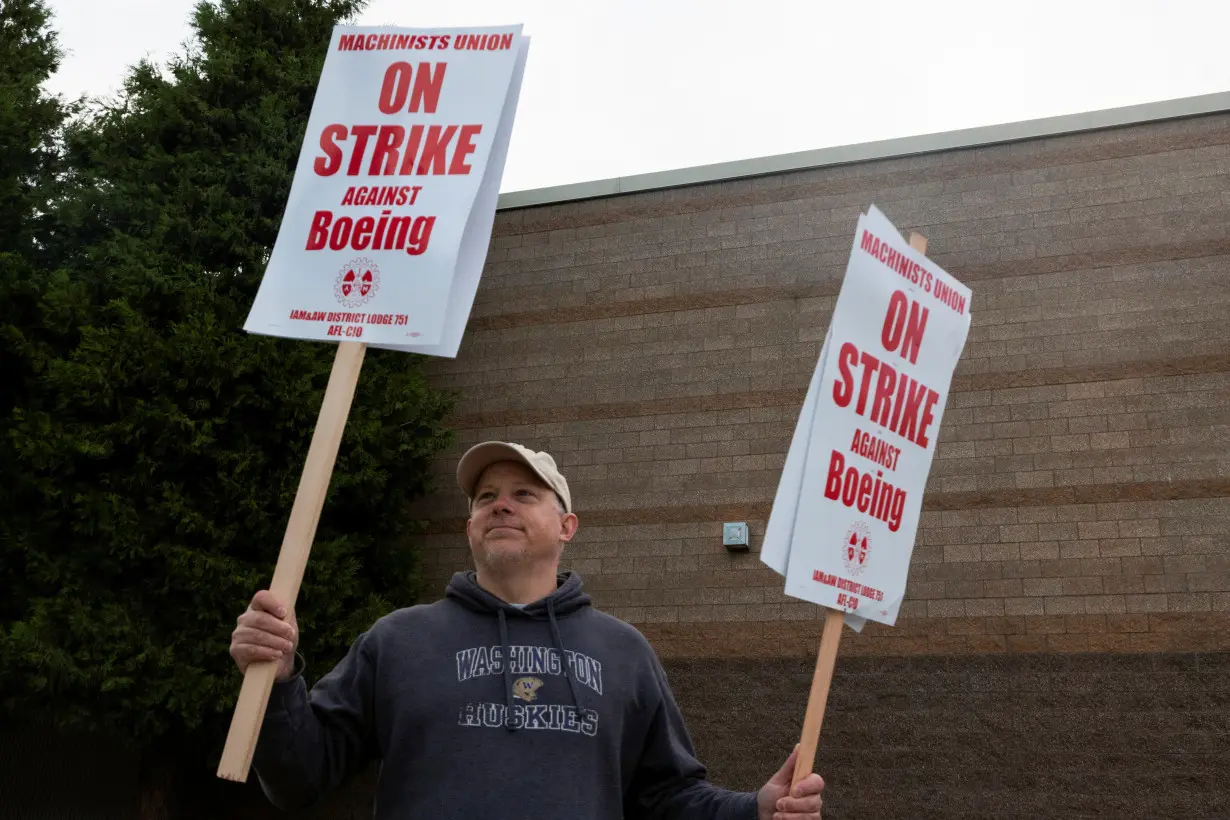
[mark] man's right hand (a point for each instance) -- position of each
(267, 631)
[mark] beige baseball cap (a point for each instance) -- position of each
(481, 456)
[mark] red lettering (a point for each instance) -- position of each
(363, 233)
(864, 492)
(914, 332)
(340, 233)
(884, 391)
(438, 139)
(384, 156)
(412, 150)
(327, 165)
(916, 392)
(319, 231)
(903, 332)
(870, 365)
(832, 484)
(465, 146)
(427, 86)
(927, 418)
(395, 88)
(899, 403)
(424, 93)
(843, 388)
(868, 241)
(850, 489)
(361, 134)
(894, 321)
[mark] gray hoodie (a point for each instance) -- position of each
(581, 725)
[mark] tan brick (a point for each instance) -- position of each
(1039, 551)
(985, 607)
(1102, 441)
(1105, 604)
(1078, 549)
(1024, 606)
(1208, 582)
(1001, 552)
(1143, 566)
(1098, 529)
(1166, 583)
(1018, 532)
(1089, 585)
(1120, 584)
(1145, 603)
(1065, 605)
(1003, 588)
(1044, 625)
(1055, 532)
(962, 552)
(1190, 602)
(945, 609)
(1033, 587)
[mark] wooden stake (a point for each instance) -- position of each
(826, 659)
(292, 560)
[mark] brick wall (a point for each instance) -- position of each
(659, 344)
(991, 737)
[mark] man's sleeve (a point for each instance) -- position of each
(669, 782)
(311, 743)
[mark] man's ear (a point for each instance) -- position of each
(568, 524)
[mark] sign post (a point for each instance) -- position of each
(826, 658)
(848, 503)
(382, 243)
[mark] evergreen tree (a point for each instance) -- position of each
(30, 121)
(154, 466)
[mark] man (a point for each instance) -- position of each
(511, 698)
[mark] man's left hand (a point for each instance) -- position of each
(777, 801)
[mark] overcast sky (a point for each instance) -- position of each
(630, 86)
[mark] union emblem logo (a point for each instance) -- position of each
(356, 283)
(856, 548)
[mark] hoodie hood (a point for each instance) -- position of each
(567, 599)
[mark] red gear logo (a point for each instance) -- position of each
(357, 282)
(856, 548)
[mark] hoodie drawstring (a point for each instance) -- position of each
(563, 659)
(507, 664)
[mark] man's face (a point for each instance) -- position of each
(516, 518)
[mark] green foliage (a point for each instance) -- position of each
(30, 120)
(156, 461)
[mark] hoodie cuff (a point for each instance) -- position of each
(285, 692)
(745, 806)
